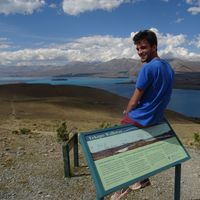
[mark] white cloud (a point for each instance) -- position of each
(171, 41)
(74, 7)
(95, 48)
(195, 9)
(98, 48)
(196, 41)
(53, 5)
(31, 56)
(4, 43)
(179, 20)
(20, 6)
(172, 46)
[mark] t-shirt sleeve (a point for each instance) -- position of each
(144, 78)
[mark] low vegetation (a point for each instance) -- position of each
(106, 125)
(197, 139)
(64, 131)
(22, 131)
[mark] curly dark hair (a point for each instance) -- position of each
(149, 35)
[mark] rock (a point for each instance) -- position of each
(8, 159)
(21, 153)
(51, 150)
(20, 148)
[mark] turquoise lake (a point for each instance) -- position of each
(184, 101)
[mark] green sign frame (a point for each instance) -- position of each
(122, 155)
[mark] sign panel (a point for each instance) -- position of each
(120, 156)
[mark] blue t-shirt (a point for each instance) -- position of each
(156, 79)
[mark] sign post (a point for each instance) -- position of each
(66, 148)
(123, 155)
(177, 186)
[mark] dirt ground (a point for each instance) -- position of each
(31, 165)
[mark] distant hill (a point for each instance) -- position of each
(183, 66)
(113, 68)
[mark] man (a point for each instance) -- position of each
(152, 91)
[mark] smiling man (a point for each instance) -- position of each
(152, 92)
(153, 86)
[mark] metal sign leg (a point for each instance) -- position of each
(66, 158)
(97, 198)
(177, 188)
(76, 158)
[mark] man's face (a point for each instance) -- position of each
(145, 50)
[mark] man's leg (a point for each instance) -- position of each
(127, 120)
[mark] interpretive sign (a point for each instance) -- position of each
(122, 155)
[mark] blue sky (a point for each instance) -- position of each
(54, 32)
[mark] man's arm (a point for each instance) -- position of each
(134, 99)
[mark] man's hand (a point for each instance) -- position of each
(124, 112)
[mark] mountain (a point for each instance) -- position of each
(183, 66)
(114, 68)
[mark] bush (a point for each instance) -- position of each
(197, 139)
(63, 132)
(106, 125)
(22, 131)
(15, 132)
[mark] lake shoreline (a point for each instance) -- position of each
(38, 90)
(183, 101)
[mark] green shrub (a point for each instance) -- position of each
(63, 132)
(197, 138)
(15, 132)
(24, 131)
(106, 125)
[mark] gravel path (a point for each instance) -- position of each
(31, 168)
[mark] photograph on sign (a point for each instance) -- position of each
(111, 144)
